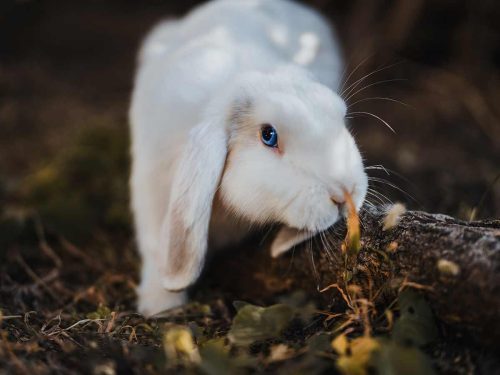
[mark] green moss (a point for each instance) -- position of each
(85, 188)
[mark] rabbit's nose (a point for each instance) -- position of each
(343, 200)
(339, 202)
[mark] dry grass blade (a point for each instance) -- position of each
(341, 291)
(353, 237)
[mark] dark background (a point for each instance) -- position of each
(67, 252)
(68, 65)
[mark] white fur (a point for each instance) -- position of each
(201, 177)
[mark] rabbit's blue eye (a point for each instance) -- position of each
(269, 136)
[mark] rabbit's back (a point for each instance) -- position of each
(184, 63)
(282, 27)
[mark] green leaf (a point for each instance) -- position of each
(253, 323)
(394, 359)
(216, 359)
(102, 312)
(239, 304)
(302, 306)
(308, 364)
(416, 325)
(320, 342)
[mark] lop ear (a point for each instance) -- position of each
(184, 234)
(287, 238)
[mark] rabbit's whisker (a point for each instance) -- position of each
(378, 167)
(372, 85)
(389, 172)
(379, 196)
(375, 116)
(356, 84)
(392, 185)
(369, 204)
(379, 98)
(313, 263)
(326, 247)
(375, 199)
(346, 81)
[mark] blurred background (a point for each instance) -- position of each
(432, 71)
(66, 72)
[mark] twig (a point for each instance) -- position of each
(36, 278)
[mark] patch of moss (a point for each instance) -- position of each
(85, 188)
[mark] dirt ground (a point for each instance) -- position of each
(68, 265)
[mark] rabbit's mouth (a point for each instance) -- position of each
(315, 210)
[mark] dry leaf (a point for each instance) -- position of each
(280, 352)
(354, 356)
(448, 268)
(179, 346)
(353, 237)
(392, 247)
(340, 344)
(393, 216)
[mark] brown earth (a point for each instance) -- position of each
(67, 256)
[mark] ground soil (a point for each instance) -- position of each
(66, 69)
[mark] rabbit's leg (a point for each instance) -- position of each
(153, 297)
(149, 202)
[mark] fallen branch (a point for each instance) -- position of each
(455, 263)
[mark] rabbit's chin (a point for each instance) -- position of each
(308, 209)
(319, 225)
(313, 218)
(314, 211)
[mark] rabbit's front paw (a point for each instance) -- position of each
(153, 301)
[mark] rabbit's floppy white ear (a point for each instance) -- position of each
(184, 235)
(287, 238)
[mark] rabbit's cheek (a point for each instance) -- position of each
(360, 191)
(313, 211)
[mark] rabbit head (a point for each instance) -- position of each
(276, 149)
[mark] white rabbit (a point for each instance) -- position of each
(235, 123)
